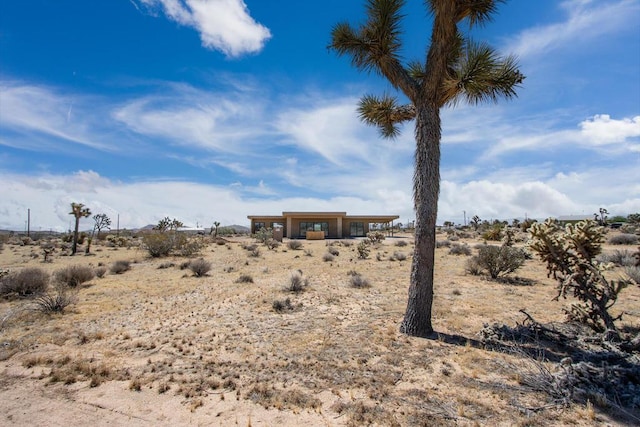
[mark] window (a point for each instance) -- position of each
(356, 229)
(313, 226)
(257, 226)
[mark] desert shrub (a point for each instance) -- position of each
(249, 247)
(401, 243)
(188, 246)
(200, 267)
(333, 251)
(509, 236)
(28, 281)
(74, 275)
(184, 265)
(460, 249)
(473, 267)
(498, 260)
(263, 235)
(570, 254)
(443, 244)
(294, 245)
(623, 239)
(375, 237)
(280, 306)
(357, 281)
(346, 243)
(255, 253)
(308, 252)
(327, 257)
(100, 271)
(120, 266)
(453, 238)
(166, 265)
(634, 273)
(244, 278)
(494, 233)
(363, 249)
(272, 243)
(56, 301)
(158, 244)
(116, 241)
(398, 256)
(622, 258)
(296, 283)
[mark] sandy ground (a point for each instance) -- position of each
(157, 346)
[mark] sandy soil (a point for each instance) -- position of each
(156, 346)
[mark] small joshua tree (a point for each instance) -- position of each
(570, 255)
(78, 211)
(101, 222)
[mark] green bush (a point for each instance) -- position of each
(28, 281)
(494, 233)
(498, 260)
(74, 275)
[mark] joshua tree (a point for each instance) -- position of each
(214, 229)
(454, 68)
(101, 222)
(78, 211)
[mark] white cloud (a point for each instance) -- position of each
(42, 116)
(586, 21)
(189, 117)
(602, 129)
(224, 25)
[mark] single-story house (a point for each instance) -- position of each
(335, 225)
(572, 219)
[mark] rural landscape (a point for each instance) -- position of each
(160, 328)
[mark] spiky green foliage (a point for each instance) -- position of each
(570, 254)
(78, 210)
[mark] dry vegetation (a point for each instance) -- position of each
(285, 335)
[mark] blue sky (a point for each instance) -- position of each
(212, 110)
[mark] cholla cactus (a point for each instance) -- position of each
(570, 254)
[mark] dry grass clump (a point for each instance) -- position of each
(398, 256)
(634, 273)
(28, 281)
(200, 267)
(269, 396)
(622, 258)
(333, 250)
(401, 243)
(282, 306)
(460, 249)
(56, 301)
(74, 275)
(296, 283)
(294, 245)
(244, 278)
(443, 243)
(100, 271)
(357, 281)
(327, 257)
(120, 267)
(623, 239)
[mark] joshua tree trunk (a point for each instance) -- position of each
(426, 188)
(74, 248)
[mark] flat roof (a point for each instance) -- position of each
(324, 215)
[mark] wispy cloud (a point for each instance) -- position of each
(224, 25)
(37, 114)
(585, 21)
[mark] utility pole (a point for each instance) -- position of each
(28, 222)
(465, 217)
(118, 226)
